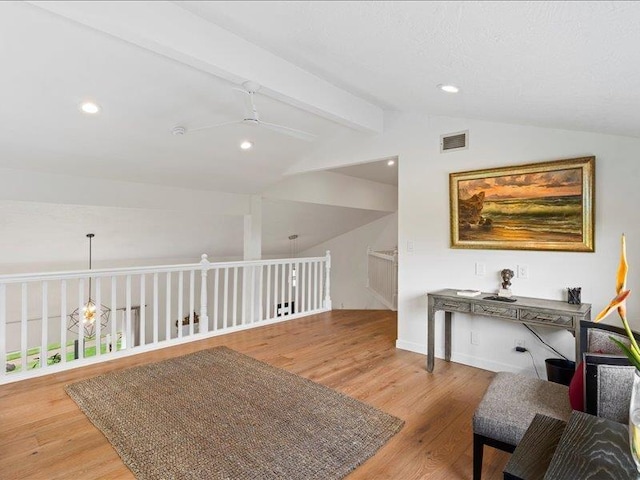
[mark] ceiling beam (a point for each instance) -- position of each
(167, 29)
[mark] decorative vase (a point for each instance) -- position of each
(634, 420)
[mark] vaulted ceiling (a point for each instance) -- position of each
(560, 64)
(329, 68)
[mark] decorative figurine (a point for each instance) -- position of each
(574, 295)
(506, 274)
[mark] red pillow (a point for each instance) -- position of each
(576, 389)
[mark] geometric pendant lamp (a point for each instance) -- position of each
(88, 314)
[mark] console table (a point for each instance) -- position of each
(533, 311)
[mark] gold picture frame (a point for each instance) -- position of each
(538, 206)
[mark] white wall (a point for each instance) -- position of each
(349, 262)
(328, 188)
(424, 221)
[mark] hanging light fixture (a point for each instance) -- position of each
(88, 314)
(293, 252)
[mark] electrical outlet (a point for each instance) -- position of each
(523, 271)
(481, 269)
(475, 340)
(519, 342)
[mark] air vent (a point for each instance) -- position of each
(454, 141)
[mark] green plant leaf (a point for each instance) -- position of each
(628, 353)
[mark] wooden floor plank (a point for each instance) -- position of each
(43, 434)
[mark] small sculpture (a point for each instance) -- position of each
(506, 274)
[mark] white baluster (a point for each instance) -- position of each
(63, 321)
(24, 329)
(114, 315)
(275, 289)
(192, 299)
(143, 316)
(180, 301)
(252, 305)
(268, 312)
(156, 316)
(316, 286)
(204, 316)
(327, 292)
(235, 296)
(168, 308)
(289, 291)
(321, 283)
(81, 318)
(225, 300)
(128, 329)
(303, 283)
(245, 297)
(260, 308)
(124, 342)
(98, 318)
(44, 344)
(216, 285)
(309, 282)
(282, 291)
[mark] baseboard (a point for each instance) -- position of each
(462, 358)
(485, 364)
(411, 347)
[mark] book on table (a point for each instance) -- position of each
(469, 293)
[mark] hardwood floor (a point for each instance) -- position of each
(43, 434)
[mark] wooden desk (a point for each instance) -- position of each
(533, 311)
(531, 458)
(589, 447)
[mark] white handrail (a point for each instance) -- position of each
(146, 311)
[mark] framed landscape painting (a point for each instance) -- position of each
(540, 206)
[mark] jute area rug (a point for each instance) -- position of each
(218, 414)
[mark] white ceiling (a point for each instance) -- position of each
(571, 65)
(50, 65)
(562, 64)
(557, 64)
(378, 171)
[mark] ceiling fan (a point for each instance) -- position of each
(251, 117)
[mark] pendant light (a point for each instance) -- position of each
(88, 314)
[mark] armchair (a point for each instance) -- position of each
(512, 400)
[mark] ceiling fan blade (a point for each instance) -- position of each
(292, 132)
(206, 127)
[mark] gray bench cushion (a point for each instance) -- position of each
(513, 400)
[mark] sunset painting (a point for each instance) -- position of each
(544, 206)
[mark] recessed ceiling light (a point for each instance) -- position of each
(391, 163)
(90, 107)
(246, 145)
(449, 88)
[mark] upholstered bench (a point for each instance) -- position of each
(507, 409)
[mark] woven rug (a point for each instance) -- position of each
(218, 414)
